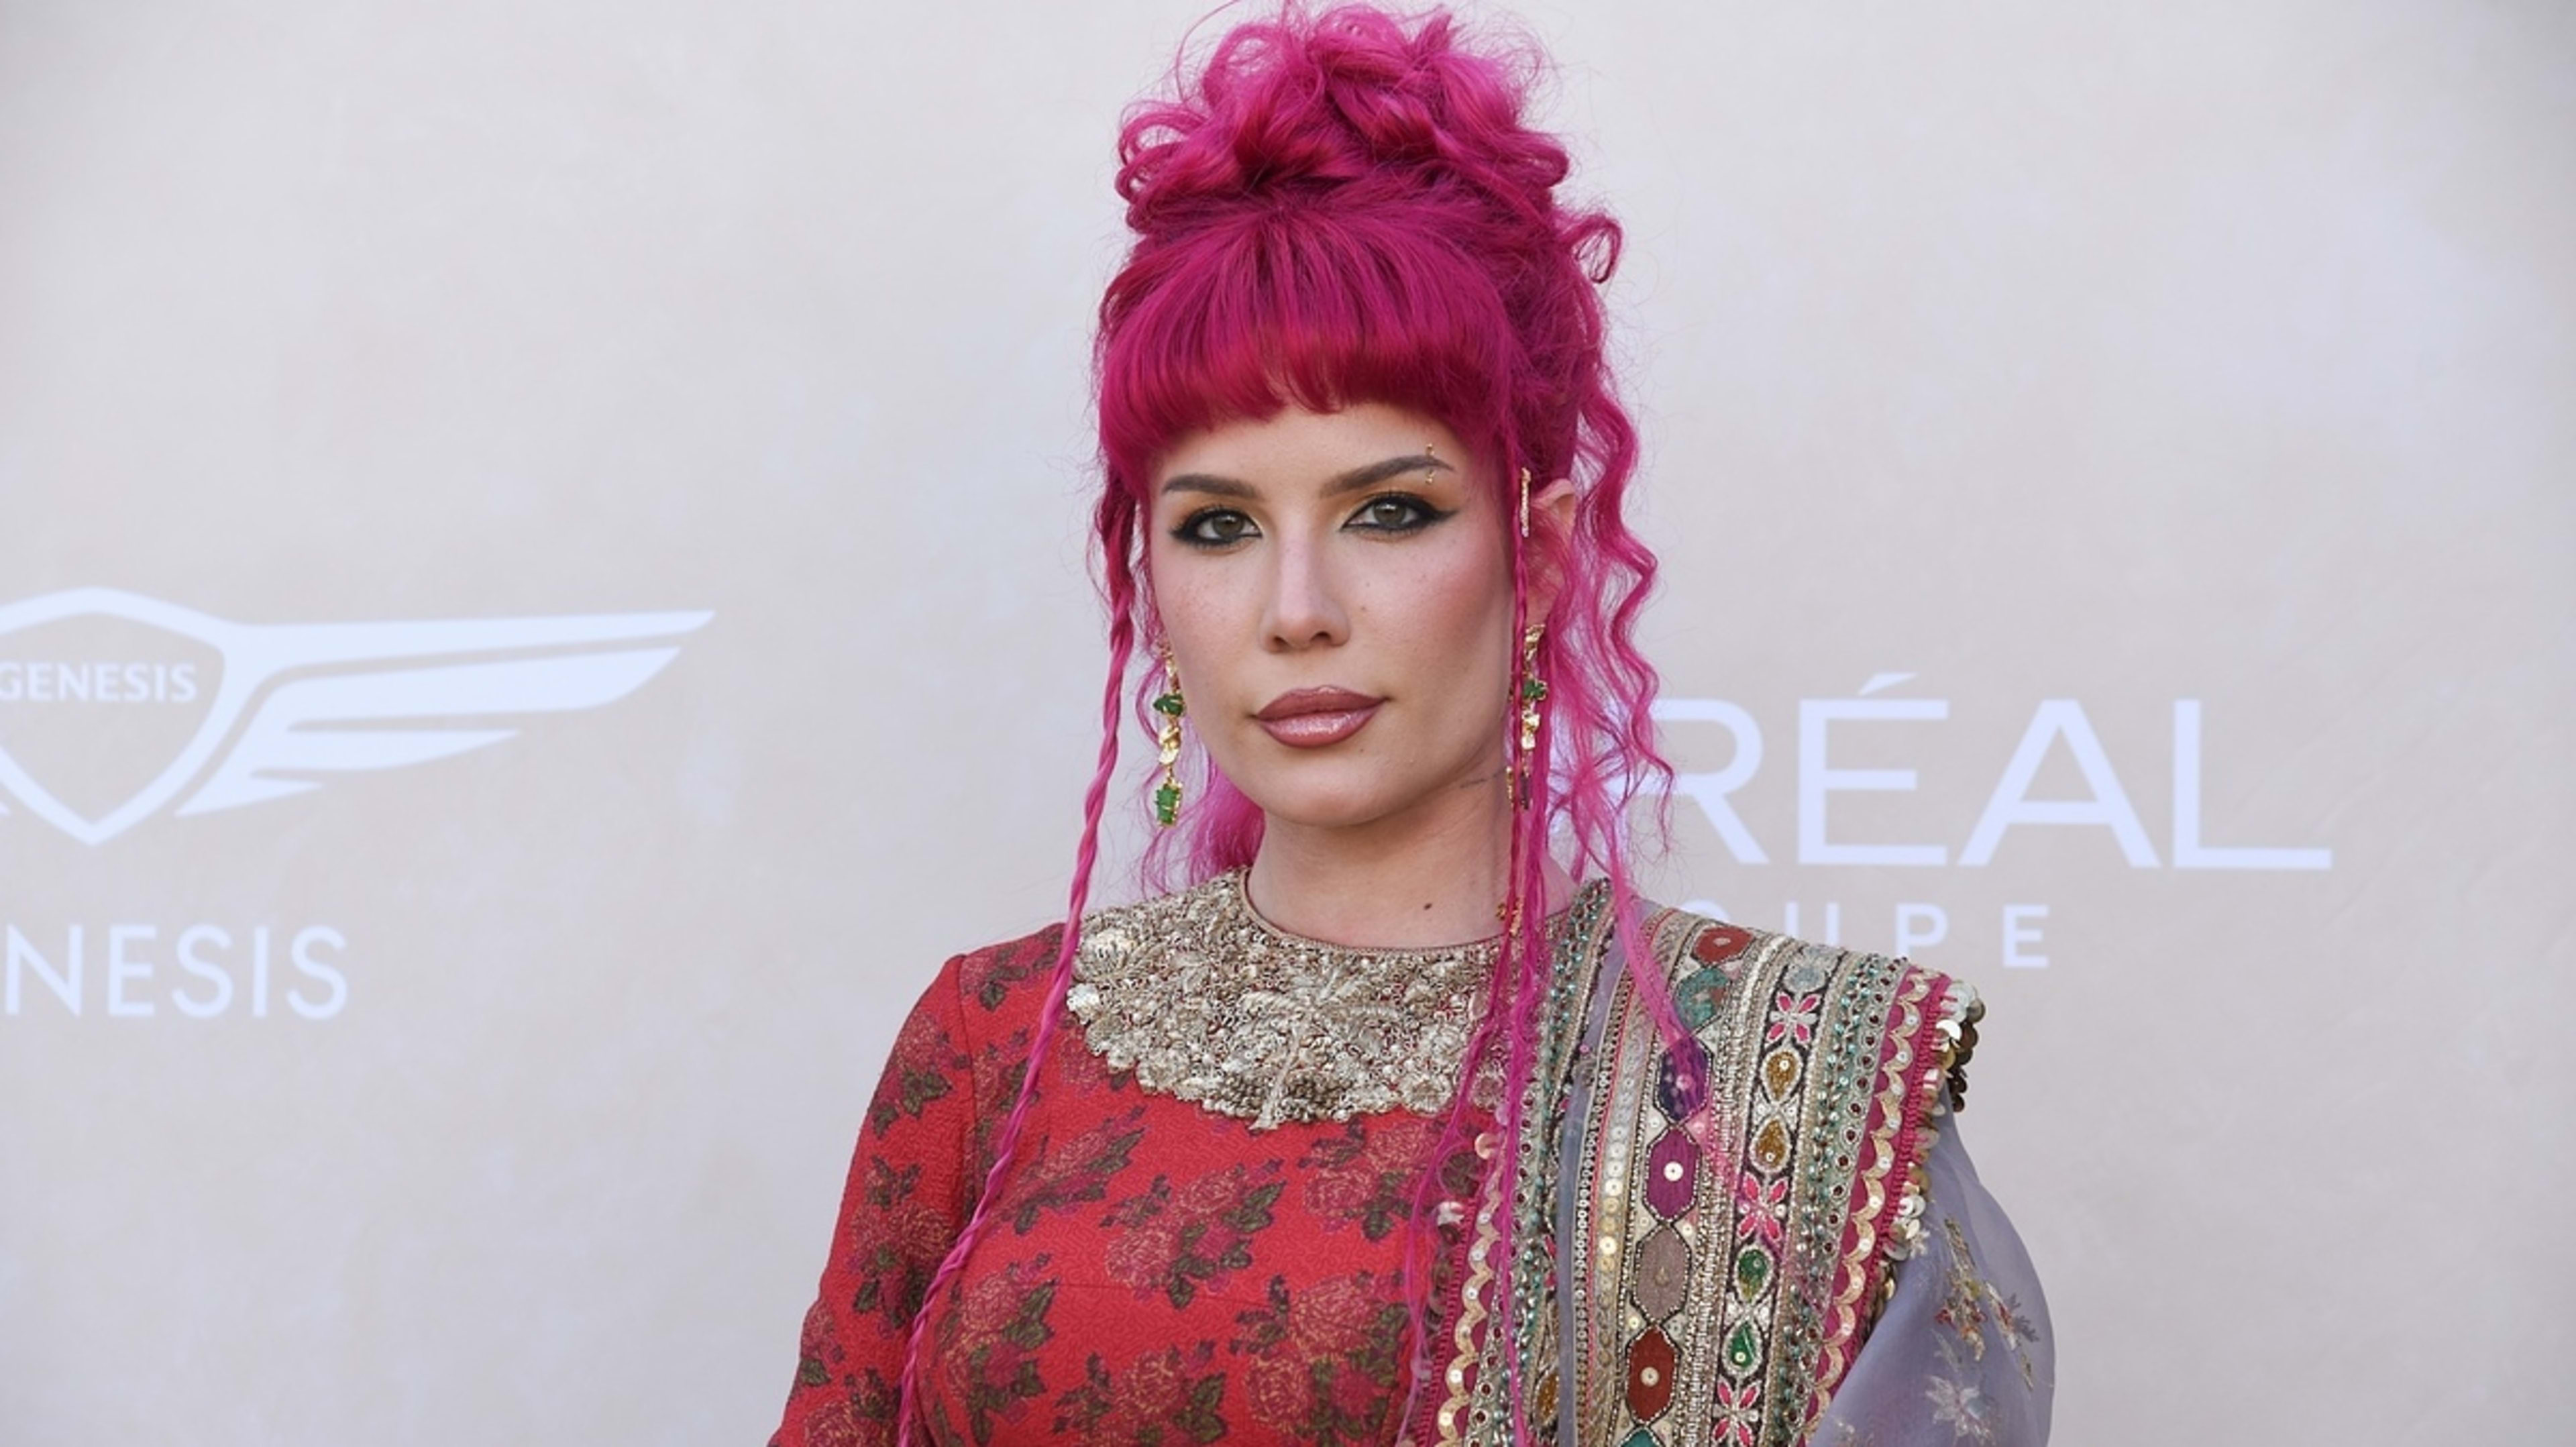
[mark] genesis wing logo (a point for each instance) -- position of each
(299, 700)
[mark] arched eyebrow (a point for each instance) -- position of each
(1358, 479)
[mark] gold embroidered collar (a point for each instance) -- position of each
(1206, 1000)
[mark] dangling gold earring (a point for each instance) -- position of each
(1167, 740)
(1533, 694)
(1525, 484)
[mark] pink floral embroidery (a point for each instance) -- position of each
(1763, 1206)
(1793, 1016)
(1739, 1413)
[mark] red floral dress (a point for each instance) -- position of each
(1155, 1273)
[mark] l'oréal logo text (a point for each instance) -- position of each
(1997, 782)
(117, 708)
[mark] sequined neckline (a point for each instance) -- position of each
(1206, 1000)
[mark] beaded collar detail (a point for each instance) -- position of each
(1207, 1001)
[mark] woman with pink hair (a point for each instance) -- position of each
(1392, 1114)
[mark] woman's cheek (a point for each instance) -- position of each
(1197, 617)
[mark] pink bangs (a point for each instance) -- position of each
(1316, 306)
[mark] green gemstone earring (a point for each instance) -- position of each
(1167, 741)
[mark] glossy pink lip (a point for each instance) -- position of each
(1310, 718)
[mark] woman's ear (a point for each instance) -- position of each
(1551, 514)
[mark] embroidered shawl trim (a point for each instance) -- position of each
(1732, 1242)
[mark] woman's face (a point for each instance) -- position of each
(1337, 594)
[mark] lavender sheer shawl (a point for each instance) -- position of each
(1963, 1352)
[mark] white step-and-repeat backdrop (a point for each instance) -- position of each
(543, 592)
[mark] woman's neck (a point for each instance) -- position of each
(1434, 875)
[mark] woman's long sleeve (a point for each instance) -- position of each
(1963, 1353)
(904, 1205)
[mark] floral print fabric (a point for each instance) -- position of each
(1153, 1273)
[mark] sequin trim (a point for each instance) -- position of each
(1957, 1029)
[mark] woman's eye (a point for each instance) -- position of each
(1214, 528)
(1396, 513)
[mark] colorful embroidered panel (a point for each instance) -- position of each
(1737, 1231)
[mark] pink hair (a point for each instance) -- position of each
(1345, 207)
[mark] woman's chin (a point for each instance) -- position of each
(1348, 803)
(1324, 804)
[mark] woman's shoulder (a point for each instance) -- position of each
(1006, 974)
(1779, 988)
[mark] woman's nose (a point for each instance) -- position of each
(1305, 609)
